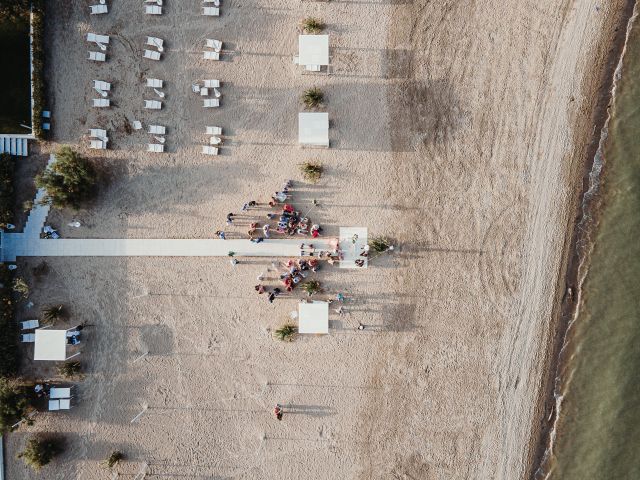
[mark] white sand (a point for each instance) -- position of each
(452, 130)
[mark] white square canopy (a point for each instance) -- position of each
(313, 49)
(50, 345)
(313, 128)
(313, 317)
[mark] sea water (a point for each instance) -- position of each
(598, 428)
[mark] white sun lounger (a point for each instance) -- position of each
(101, 85)
(29, 324)
(215, 44)
(154, 83)
(101, 102)
(62, 404)
(93, 37)
(56, 393)
(313, 68)
(157, 2)
(28, 337)
(155, 147)
(97, 9)
(214, 131)
(212, 83)
(97, 56)
(98, 145)
(211, 11)
(153, 104)
(156, 42)
(98, 133)
(208, 150)
(211, 102)
(151, 55)
(153, 10)
(215, 141)
(211, 55)
(157, 129)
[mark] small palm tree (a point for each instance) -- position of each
(311, 287)
(53, 313)
(380, 244)
(286, 332)
(21, 287)
(312, 25)
(311, 171)
(312, 97)
(113, 459)
(70, 369)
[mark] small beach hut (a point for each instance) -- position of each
(313, 129)
(313, 317)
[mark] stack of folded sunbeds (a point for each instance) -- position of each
(98, 9)
(157, 43)
(98, 138)
(211, 11)
(153, 9)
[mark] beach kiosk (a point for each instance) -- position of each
(313, 317)
(313, 51)
(51, 345)
(313, 129)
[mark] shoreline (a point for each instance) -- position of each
(576, 257)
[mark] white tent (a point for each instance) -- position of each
(313, 128)
(313, 49)
(313, 317)
(50, 345)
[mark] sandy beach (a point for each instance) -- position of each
(461, 130)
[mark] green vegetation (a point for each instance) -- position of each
(311, 287)
(312, 97)
(8, 326)
(7, 194)
(380, 244)
(311, 171)
(312, 25)
(21, 288)
(14, 405)
(38, 67)
(53, 313)
(70, 181)
(113, 459)
(39, 452)
(70, 369)
(286, 332)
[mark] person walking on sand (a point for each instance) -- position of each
(278, 412)
(230, 218)
(220, 235)
(245, 207)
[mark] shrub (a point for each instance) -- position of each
(39, 452)
(53, 313)
(14, 405)
(380, 244)
(113, 459)
(21, 287)
(8, 326)
(311, 171)
(69, 181)
(311, 287)
(286, 332)
(312, 25)
(312, 97)
(38, 67)
(70, 369)
(7, 194)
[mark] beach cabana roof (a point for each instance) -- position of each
(50, 345)
(313, 317)
(313, 49)
(313, 128)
